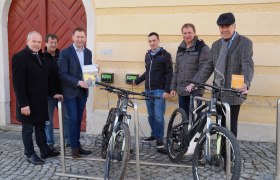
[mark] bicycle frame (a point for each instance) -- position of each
(197, 123)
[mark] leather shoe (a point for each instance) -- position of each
(34, 159)
(52, 153)
(83, 151)
(75, 153)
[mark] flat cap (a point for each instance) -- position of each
(226, 19)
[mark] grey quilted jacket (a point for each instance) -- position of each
(188, 62)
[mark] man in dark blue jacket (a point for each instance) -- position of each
(158, 76)
(74, 88)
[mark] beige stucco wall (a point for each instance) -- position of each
(122, 27)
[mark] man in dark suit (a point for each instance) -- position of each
(74, 88)
(232, 54)
(30, 80)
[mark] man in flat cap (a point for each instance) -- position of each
(230, 55)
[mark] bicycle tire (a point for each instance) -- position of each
(118, 154)
(216, 166)
(176, 141)
(106, 132)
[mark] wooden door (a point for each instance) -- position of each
(60, 17)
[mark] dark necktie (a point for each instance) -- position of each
(38, 58)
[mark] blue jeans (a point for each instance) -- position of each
(75, 107)
(52, 104)
(156, 111)
(184, 103)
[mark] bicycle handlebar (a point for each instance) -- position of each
(218, 89)
(123, 91)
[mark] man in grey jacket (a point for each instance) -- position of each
(191, 55)
(230, 55)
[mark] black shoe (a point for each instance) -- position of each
(34, 159)
(160, 144)
(75, 153)
(50, 154)
(83, 151)
(162, 150)
(149, 139)
(51, 147)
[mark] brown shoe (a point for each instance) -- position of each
(83, 151)
(75, 153)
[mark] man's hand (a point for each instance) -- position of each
(244, 89)
(58, 96)
(189, 88)
(165, 95)
(83, 84)
(173, 93)
(25, 111)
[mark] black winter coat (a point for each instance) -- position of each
(54, 81)
(158, 74)
(30, 80)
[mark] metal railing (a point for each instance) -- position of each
(136, 131)
(277, 176)
(62, 150)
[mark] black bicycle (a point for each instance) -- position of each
(115, 133)
(202, 139)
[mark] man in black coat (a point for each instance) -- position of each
(30, 80)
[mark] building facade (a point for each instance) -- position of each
(117, 33)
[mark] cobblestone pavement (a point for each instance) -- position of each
(259, 161)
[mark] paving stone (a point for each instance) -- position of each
(258, 161)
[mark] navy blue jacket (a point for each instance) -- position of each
(158, 74)
(70, 71)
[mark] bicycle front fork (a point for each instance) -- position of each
(209, 127)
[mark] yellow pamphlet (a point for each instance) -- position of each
(237, 81)
(90, 74)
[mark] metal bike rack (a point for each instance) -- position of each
(137, 154)
(62, 150)
(137, 161)
(277, 176)
(227, 107)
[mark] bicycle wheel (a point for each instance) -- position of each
(176, 135)
(215, 166)
(106, 132)
(118, 153)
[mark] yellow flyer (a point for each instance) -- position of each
(237, 81)
(90, 73)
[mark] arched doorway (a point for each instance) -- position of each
(46, 16)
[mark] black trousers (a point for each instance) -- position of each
(40, 137)
(234, 112)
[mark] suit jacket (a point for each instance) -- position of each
(239, 61)
(30, 80)
(70, 71)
